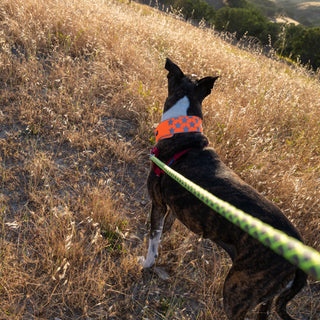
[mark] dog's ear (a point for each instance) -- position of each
(173, 69)
(204, 87)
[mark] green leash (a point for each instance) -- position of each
(304, 257)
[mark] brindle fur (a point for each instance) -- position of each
(257, 274)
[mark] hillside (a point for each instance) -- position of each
(305, 12)
(82, 85)
(290, 11)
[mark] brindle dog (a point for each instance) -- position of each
(257, 275)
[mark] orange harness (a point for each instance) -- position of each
(168, 128)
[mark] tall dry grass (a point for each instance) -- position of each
(81, 88)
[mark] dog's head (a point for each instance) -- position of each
(185, 95)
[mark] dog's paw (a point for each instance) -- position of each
(161, 273)
(141, 260)
(145, 263)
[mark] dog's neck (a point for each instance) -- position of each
(168, 147)
(179, 109)
(174, 143)
(186, 124)
(175, 120)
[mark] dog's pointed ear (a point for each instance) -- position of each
(173, 69)
(204, 87)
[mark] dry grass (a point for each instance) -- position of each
(81, 88)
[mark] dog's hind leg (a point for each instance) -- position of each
(168, 221)
(243, 290)
(237, 294)
(158, 214)
(264, 310)
(285, 296)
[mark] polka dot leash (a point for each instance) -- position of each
(304, 257)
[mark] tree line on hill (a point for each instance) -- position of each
(244, 19)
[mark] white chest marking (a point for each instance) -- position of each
(177, 110)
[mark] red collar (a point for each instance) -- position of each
(155, 152)
(166, 129)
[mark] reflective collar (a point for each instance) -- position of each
(168, 128)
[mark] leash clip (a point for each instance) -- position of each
(155, 152)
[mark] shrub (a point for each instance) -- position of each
(248, 21)
(301, 44)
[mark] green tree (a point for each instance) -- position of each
(289, 35)
(246, 20)
(306, 47)
(194, 9)
(237, 3)
(300, 43)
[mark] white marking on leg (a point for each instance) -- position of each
(153, 247)
(152, 251)
(177, 110)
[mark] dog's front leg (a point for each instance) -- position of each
(158, 214)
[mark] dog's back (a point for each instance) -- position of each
(205, 169)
